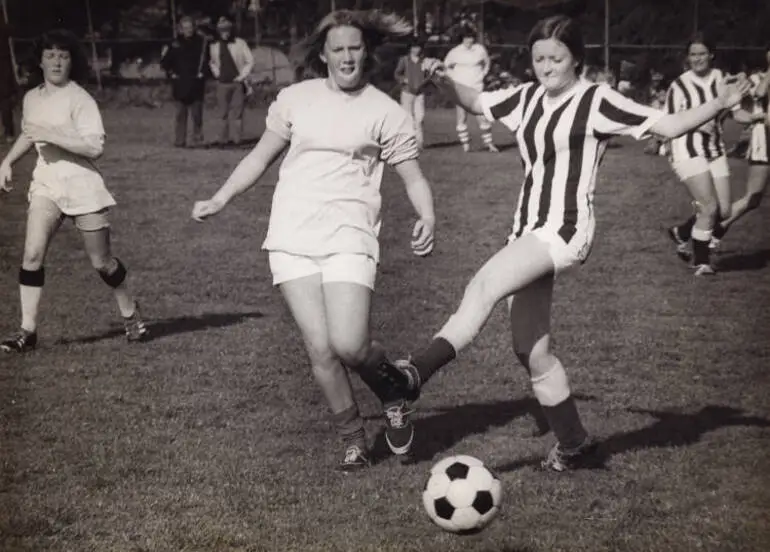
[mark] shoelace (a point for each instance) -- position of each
(396, 416)
(18, 342)
(353, 454)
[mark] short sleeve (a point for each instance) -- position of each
(278, 118)
(506, 105)
(86, 116)
(397, 138)
(618, 115)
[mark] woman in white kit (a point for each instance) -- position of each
(62, 121)
(325, 219)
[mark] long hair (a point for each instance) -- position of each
(376, 27)
(60, 39)
(565, 30)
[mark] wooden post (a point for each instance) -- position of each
(94, 55)
(10, 43)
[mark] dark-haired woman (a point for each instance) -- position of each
(699, 158)
(562, 124)
(62, 121)
(322, 237)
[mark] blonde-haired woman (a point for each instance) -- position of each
(322, 238)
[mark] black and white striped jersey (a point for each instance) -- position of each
(561, 146)
(689, 91)
(759, 144)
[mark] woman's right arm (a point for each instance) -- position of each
(17, 151)
(245, 175)
(464, 96)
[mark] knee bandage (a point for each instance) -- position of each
(116, 277)
(32, 278)
(551, 388)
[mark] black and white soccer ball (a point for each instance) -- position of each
(462, 495)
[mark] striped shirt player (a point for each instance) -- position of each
(760, 131)
(561, 148)
(703, 149)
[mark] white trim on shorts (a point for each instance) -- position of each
(694, 166)
(354, 268)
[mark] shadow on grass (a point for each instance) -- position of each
(446, 426)
(172, 326)
(671, 429)
(456, 143)
(744, 261)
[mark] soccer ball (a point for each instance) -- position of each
(461, 494)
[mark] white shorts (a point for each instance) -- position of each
(339, 267)
(565, 255)
(687, 168)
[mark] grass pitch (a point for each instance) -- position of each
(213, 436)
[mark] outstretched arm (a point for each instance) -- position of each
(673, 125)
(245, 175)
(461, 95)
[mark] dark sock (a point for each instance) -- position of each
(565, 423)
(350, 427)
(430, 360)
(685, 229)
(719, 231)
(700, 252)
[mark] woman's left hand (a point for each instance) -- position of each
(422, 237)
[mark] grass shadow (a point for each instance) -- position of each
(173, 326)
(444, 427)
(670, 430)
(756, 260)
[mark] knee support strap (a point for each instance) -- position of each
(116, 277)
(32, 278)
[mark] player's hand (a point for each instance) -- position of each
(733, 89)
(205, 209)
(433, 67)
(6, 175)
(422, 237)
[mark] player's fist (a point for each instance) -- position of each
(433, 66)
(6, 175)
(205, 209)
(733, 88)
(422, 237)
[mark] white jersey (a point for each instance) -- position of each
(689, 91)
(759, 143)
(468, 66)
(69, 180)
(561, 147)
(327, 199)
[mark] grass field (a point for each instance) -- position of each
(213, 436)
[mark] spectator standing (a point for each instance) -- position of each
(231, 62)
(410, 76)
(185, 61)
(8, 85)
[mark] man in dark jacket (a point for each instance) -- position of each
(185, 62)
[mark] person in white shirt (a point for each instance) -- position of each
(468, 63)
(62, 121)
(231, 62)
(322, 237)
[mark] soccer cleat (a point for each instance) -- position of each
(355, 459)
(715, 244)
(587, 456)
(682, 249)
(136, 330)
(399, 430)
(411, 384)
(466, 148)
(21, 342)
(704, 270)
(492, 148)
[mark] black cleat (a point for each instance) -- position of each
(587, 456)
(399, 430)
(682, 247)
(136, 330)
(21, 342)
